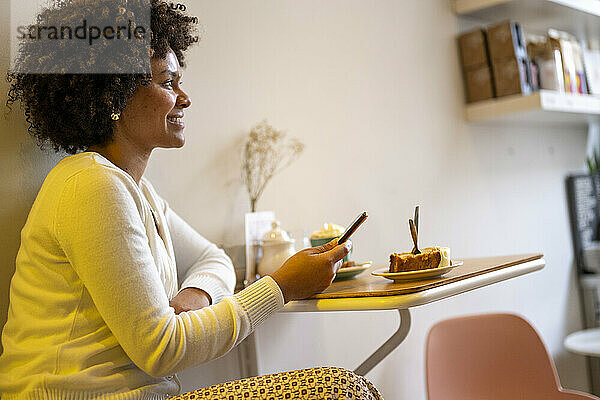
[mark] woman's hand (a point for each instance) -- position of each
(310, 270)
(190, 299)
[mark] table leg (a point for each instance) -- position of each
(248, 357)
(388, 346)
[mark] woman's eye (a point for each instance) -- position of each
(168, 83)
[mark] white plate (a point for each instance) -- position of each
(416, 275)
(349, 272)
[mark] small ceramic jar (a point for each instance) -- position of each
(277, 247)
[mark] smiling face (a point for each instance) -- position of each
(153, 116)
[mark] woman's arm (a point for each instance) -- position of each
(205, 273)
(200, 264)
(99, 226)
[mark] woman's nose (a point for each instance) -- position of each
(183, 100)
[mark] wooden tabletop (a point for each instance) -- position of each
(367, 285)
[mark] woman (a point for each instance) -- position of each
(113, 292)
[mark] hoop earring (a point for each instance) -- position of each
(115, 116)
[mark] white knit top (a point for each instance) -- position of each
(89, 311)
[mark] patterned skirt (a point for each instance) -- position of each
(305, 384)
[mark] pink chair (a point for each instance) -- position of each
(491, 357)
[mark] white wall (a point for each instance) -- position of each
(373, 89)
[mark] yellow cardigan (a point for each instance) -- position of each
(89, 311)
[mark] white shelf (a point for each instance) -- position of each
(540, 107)
(473, 6)
(580, 17)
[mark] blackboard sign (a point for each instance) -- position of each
(584, 210)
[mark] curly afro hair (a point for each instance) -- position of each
(73, 111)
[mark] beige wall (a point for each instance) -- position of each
(374, 91)
(23, 168)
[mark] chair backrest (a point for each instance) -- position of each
(491, 357)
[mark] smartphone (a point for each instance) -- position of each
(354, 226)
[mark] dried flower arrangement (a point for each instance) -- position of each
(266, 152)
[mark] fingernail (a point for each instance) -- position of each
(348, 245)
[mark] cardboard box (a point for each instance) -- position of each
(506, 40)
(479, 84)
(473, 50)
(511, 76)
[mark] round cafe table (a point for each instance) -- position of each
(585, 342)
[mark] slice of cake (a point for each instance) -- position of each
(430, 257)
